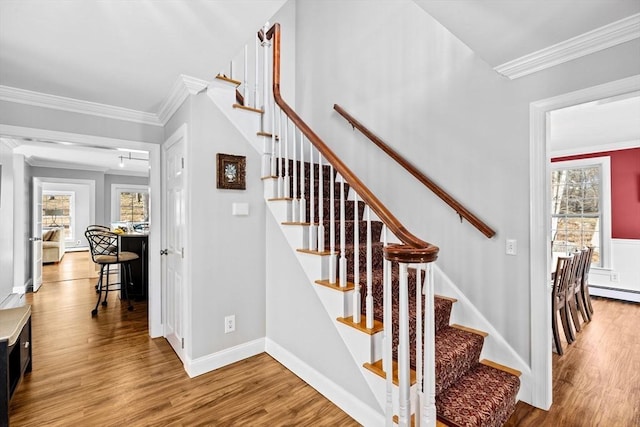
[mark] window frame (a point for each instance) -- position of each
(72, 210)
(604, 163)
(116, 190)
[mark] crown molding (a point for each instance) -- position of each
(182, 88)
(38, 99)
(10, 142)
(599, 39)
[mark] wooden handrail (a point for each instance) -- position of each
(435, 188)
(421, 251)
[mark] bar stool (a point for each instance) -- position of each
(105, 251)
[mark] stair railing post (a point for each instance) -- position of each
(313, 229)
(357, 295)
(256, 101)
(428, 411)
(286, 183)
(320, 204)
(343, 257)
(419, 369)
(332, 227)
(303, 202)
(404, 384)
(369, 298)
(295, 205)
(275, 137)
(387, 319)
(245, 77)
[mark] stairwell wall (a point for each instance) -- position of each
(429, 96)
(225, 253)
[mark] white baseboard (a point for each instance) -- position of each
(211, 362)
(12, 301)
(23, 289)
(361, 412)
(621, 294)
(76, 249)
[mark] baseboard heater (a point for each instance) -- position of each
(615, 293)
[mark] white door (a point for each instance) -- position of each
(173, 243)
(36, 235)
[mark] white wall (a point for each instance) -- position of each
(430, 97)
(6, 220)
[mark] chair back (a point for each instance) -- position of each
(564, 272)
(587, 266)
(101, 242)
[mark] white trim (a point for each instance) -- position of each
(72, 207)
(358, 410)
(225, 357)
(182, 88)
(605, 199)
(540, 250)
(607, 36)
(39, 99)
(614, 146)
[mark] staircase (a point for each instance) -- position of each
(367, 285)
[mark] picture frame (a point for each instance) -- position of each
(231, 172)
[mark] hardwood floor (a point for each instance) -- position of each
(106, 371)
(597, 381)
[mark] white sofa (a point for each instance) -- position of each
(52, 245)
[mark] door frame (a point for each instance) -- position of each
(540, 250)
(155, 297)
(179, 134)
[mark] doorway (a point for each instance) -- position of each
(154, 296)
(540, 226)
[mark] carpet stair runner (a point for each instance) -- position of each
(469, 392)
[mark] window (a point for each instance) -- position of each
(129, 203)
(580, 206)
(58, 210)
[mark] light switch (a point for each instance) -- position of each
(511, 247)
(240, 209)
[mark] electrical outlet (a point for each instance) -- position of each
(229, 323)
(615, 276)
(511, 247)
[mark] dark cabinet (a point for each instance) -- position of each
(15, 354)
(137, 243)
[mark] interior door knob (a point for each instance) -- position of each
(164, 252)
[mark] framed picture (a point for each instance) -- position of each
(231, 171)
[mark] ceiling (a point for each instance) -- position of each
(500, 31)
(129, 54)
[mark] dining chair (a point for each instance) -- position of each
(105, 251)
(585, 283)
(564, 268)
(573, 286)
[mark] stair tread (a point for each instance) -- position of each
(362, 326)
(485, 396)
(457, 351)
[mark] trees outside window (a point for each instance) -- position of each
(579, 197)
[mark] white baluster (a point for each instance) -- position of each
(303, 202)
(332, 228)
(313, 228)
(231, 69)
(245, 89)
(404, 407)
(256, 101)
(387, 356)
(343, 257)
(320, 204)
(280, 171)
(428, 410)
(295, 205)
(419, 360)
(357, 294)
(369, 299)
(286, 183)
